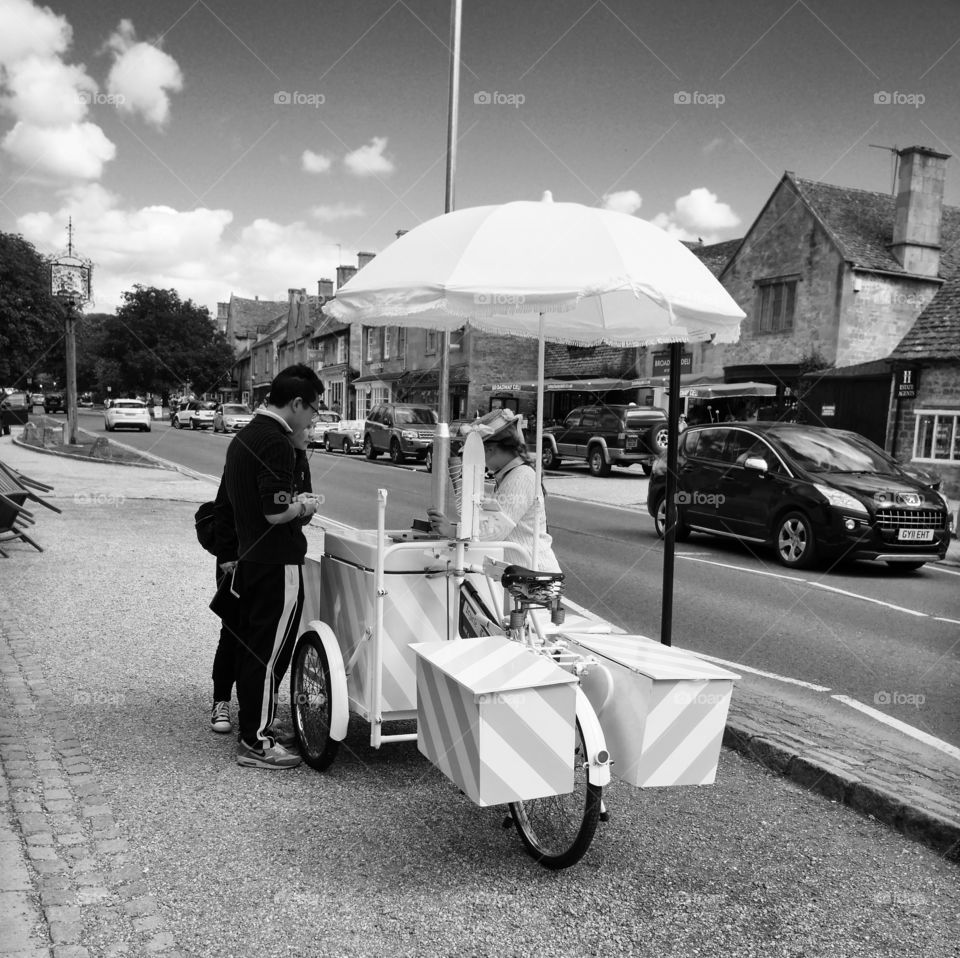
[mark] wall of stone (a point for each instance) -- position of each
(497, 359)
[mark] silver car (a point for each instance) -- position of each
(231, 417)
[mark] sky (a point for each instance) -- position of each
(242, 147)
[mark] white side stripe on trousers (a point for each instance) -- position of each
(291, 590)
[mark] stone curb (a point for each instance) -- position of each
(847, 787)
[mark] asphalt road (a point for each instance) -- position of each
(884, 638)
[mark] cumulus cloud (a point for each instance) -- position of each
(76, 151)
(336, 211)
(698, 215)
(31, 31)
(625, 201)
(315, 162)
(141, 75)
(369, 160)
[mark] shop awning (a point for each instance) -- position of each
(379, 378)
(727, 390)
(600, 385)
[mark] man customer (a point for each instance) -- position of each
(268, 515)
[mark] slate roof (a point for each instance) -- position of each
(247, 317)
(715, 255)
(861, 223)
(936, 333)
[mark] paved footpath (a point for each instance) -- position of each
(58, 835)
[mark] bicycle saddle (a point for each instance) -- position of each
(519, 575)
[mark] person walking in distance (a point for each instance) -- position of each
(268, 518)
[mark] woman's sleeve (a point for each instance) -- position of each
(515, 497)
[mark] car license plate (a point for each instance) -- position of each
(915, 535)
(631, 442)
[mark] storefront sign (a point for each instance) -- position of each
(828, 410)
(661, 363)
(907, 381)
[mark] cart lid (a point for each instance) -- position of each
(492, 664)
(647, 657)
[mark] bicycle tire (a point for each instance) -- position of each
(557, 831)
(311, 704)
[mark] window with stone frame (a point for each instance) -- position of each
(936, 435)
(342, 346)
(402, 342)
(776, 302)
(387, 342)
(431, 346)
(370, 335)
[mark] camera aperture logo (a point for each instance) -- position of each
(697, 98)
(483, 98)
(283, 98)
(896, 98)
(101, 99)
(499, 299)
(916, 699)
(98, 499)
(700, 499)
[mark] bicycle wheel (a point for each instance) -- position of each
(557, 830)
(310, 702)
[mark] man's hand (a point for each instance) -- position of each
(228, 566)
(440, 524)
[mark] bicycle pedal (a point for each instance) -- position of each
(604, 816)
(507, 821)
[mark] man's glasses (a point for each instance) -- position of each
(316, 412)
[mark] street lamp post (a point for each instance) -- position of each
(70, 282)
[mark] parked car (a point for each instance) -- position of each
(402, 429)
(126, 414)
(322, 421)
(606, 436)
(54, 402)
(231, 417)
(805, 490)
(456, 442)
(346, 435)
(193, 413)
(14, 409)
(85, 401)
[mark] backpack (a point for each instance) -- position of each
(203, 522)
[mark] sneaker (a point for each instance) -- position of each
(286, 738)
(220, 718)
(272, 757)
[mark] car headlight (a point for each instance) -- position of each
(840, 500)
(408, 434)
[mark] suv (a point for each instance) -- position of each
(607, 436)
(400, 429)
(192, 412)
(805, 490)
(54, 402)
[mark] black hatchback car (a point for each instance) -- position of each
(805, 490)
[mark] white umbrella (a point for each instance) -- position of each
(559, 271)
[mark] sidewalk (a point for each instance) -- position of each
(917, 793)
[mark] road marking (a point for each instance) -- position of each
(916, 733)
(767, 675)
(866, 598)
(940, 568)
(940, 618)
(740, 568)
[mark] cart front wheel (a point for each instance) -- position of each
(310, 702)
(557, 830)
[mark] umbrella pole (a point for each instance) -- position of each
(669, 536)
(538, 467)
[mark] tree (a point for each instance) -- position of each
(157, 342)
(31, 320)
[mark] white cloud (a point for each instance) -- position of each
(698, 215)
(45, 91)
(141, 75)
(625, 201)
(369, 160)
(31, 31)
(315, 162)
(77, 151)
(336, 211)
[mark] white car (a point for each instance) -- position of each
(324, 420)
(193, 413)
(231, 417)
(126, 414)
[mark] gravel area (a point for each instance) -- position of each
(381, 855)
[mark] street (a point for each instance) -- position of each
(883, 638)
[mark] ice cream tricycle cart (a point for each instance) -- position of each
(521, 697)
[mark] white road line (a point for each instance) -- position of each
(866, 598)
(940, 568)
(941, 618)
(747, 668)
(916, 733)
(740, 568)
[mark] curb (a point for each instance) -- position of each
(845, 786)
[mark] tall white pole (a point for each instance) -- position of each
(538, 466)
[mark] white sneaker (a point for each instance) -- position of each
(220, 718)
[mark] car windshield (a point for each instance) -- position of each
(236, 411)
(827, 451)
(208, 405)
(405, 417)
(328, 417)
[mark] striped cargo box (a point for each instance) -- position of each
(664, 720)
(496, 719)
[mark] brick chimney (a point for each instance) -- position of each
(919, 210)
(363, 259)
(345, 273)
(325, 289)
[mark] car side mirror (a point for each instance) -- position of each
(756, 463)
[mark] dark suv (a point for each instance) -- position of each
(54, 402)
(606, 436)
(401, 429)
(805, 490)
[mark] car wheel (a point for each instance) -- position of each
(549, 458)
(345, 447)
(146, 429)
(906, 566)
(327, 444)
(368, 449)
(396, 453)
(596, 462)
(681, 532)
(647, 468)
(794, 541)
(659, 437)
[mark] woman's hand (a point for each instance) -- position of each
(440, 524)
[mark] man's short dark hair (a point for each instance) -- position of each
(293, 382)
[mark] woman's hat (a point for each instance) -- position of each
(498, 425)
